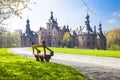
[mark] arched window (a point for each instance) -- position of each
(88, 43)
(88, 38)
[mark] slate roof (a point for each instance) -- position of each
(100, 33)
(87, 29)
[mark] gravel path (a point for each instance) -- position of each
(97, 68)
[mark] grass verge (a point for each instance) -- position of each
(90, 52)
(13, 67)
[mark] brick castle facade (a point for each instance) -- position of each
(84, 37)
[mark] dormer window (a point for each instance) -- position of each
(42, 32)
(88, 38)
(41, 38)
(82, 37)
(88, 43)
(49, 25)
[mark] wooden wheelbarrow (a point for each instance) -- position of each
(41, 57)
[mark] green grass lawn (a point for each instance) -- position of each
(90, 52)
(13, 67)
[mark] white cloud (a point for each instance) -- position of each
(114, 13)
(117, 13)
(112, 21)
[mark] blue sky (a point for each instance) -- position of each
(70, 12)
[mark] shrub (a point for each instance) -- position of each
(114, 47)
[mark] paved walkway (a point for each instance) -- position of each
(98, 68)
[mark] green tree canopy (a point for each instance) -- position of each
(113, 37)
(66, 38)
(10, 39)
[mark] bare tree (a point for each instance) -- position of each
(12, 7)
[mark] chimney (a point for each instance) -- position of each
(67, 27)
(70, 29)
(95, 29)
(80, 28)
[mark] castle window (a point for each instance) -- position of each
(93, 43)
(93, 38)
(88, 43)
(24, 39)
(42, 32)
(49, 25)
(82, 37)
(88, 38)
(59, 43)
(41, 38)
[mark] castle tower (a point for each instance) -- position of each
(87, 23)
(53, 32)
(28, 30)
(87, 38)
(101, 40)
(29, 36)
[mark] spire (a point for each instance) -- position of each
(87, 17)
(100, 26)
(67, 27)
(28, 30)
(95, 29)
(87, 23)
(101, 35)
(51, 13)
(51, 17)
(64, 27)
(27, 21)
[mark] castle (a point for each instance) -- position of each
(56, 36)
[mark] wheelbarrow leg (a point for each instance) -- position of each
(47, 58)
(37, 58)
(41, 58)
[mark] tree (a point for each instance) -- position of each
(66, 39)
(12, 7)
(16, 39)
(2, 29)
(9, 8)
(113, 38)
(8, 39)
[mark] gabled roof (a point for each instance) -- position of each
(58, 29)
(86, 31)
